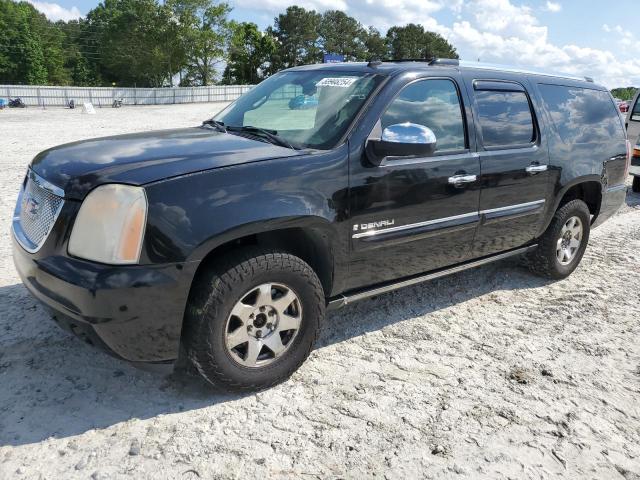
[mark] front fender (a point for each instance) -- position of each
(191, 215)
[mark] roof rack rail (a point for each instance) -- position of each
(508, 68)
(454, 62)
(431, 61)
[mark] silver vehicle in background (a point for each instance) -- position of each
(633, 132)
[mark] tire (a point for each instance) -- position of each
(240, 286)
(636, 184)
(545, 260)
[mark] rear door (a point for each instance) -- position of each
(514, 177)
(411, 215)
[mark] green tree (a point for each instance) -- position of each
(342, 34)
(375, 45)
(129, 40)
(30, 46)
(624, 93)
(204, 33)
(412, 41)
(296, 32)
(250, 53)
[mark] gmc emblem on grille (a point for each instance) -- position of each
(31, 206)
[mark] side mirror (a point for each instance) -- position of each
(402, 140)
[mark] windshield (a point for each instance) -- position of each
(308, 109)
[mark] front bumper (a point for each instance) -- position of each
(133, 312)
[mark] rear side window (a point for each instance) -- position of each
(434, 104)
(505, 118)
(582, 115)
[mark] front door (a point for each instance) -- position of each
(411, 215)
(514, 163)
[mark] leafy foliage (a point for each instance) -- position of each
(250, 53)
(624, 93)
(412, 41)
(149, 43)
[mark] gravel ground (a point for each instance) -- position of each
(492, 373)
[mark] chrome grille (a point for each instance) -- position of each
(37, 210)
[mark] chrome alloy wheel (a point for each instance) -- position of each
(263, 325)
(569, 241)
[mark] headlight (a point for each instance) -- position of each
(110, 225)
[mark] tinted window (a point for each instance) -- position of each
(581, 115)
(434, 104)
(635, 113)
(306, 108)
(505, 118)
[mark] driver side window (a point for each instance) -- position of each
(434, 104)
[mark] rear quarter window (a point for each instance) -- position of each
(582, 115)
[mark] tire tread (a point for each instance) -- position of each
(217, 283)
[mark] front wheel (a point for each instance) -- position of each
(253, 321)
(636, 184)
(562, 245)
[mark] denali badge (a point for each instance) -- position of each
(380, 224)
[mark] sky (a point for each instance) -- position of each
(593, 38)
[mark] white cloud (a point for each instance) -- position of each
(55, 12)
(553, 7)
(499, 31)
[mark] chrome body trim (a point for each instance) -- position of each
(16, 228)
(354, 297)
(45, 184)
(518, 208)
(513, 207)
(399, 228)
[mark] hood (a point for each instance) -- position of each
(141, 158)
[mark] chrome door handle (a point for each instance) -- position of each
(533, 169)
(462, 179)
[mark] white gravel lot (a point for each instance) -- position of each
(492, 373)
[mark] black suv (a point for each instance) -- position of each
(224, 244)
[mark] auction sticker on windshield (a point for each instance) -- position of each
(342, 82)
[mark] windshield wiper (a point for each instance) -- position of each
(271, 135)
(218, 125)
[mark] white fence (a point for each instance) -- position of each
(104, 96)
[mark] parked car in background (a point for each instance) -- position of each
(623, 105)
(228, 241)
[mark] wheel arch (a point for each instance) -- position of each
(587, 188)
(309, 239)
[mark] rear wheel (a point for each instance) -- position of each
(562, 246)
(253, 321)
(636, 184)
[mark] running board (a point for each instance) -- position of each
(344, 300)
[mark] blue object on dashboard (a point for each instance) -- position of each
(303, 102)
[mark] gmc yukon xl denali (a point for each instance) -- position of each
(225, 244)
